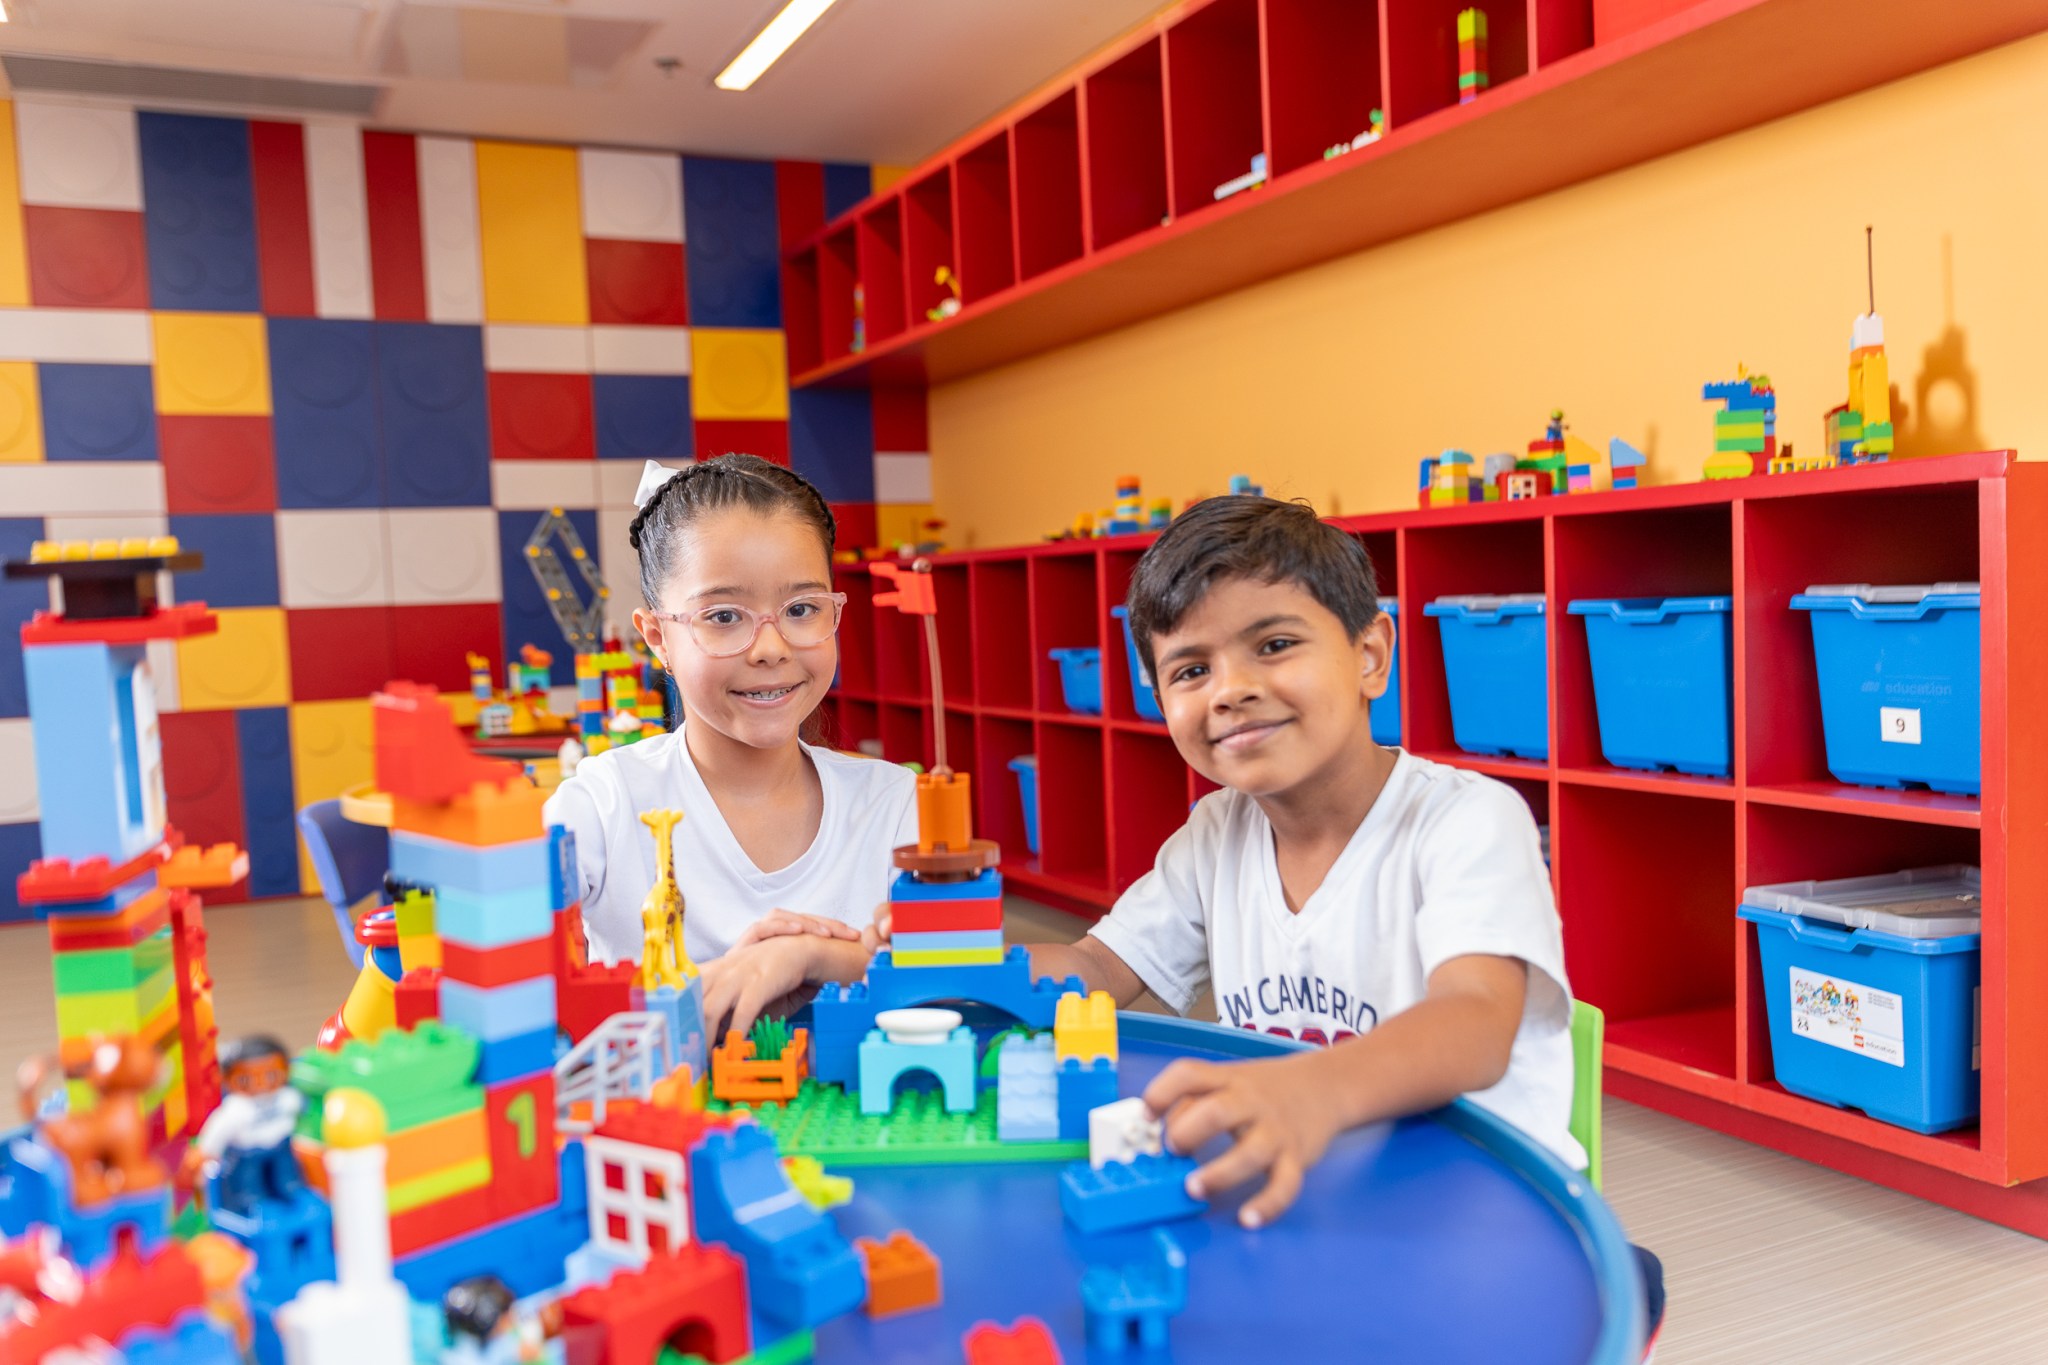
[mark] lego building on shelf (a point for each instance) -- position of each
(1745, 427)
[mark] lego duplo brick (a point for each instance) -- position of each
(517, 1057)
(520, 1122)
(428, 1147)
(444, 1182)
(490, 814)
(954, 957)
(928, 941)
(494, 919)
(986, 886)
(493, 1014)
(1148, 1189)
(1085, 1027)
(113, 969)
(448, 866)
(903, 1275)
(418, 1076)
(1084, 1086)
(501, 966)
(947, 916)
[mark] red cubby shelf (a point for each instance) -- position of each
(1184, 102)
(880, 257)
(927, 242)
(838, 272)
(1647, 867)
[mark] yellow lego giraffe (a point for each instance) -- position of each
(663, 959)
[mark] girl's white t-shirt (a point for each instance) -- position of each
(1446, 863)
(870, 808)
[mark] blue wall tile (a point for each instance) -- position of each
(324, 403)
(731, 240)
(241, 558)
(98, 412)
(643, 416)
(434, 415)
(199, 213)
(832, 442)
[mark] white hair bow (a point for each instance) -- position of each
(653, 476)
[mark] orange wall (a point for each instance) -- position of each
(1615, 300)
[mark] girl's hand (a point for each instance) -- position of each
(748, 980)
(782, 923)
(875, 937)
(1279, 1112)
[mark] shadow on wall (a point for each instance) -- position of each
(1942, 418)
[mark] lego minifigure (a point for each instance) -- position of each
(250, 1135)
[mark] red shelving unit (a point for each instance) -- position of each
(1099, 186)
(1647, 867)
(927, 242)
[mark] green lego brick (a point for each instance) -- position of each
(1472, 80)
(790, 1350)
(1753, 445)
(825, 1122)
(415, 914)
(112, 969)
(418, 1076)
(99, 1012)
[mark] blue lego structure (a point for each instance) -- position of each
(509, 1059)
(1129, 1306)
(193, 1339)
(293, 1244)
(1084, 1087)
(1150, 1189)
(842, 1015)
(684, 1011)
(35, 1189)
(565, 886)
(517, 867)
(528, 1252)
(497, 1013)
(1027, 1090)
(951, 1063)
(800, 1271)
(98, 761)
(986, 885)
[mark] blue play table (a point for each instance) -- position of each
(1444, 1238)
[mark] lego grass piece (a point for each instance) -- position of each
(769, 1037)
(825, 1122)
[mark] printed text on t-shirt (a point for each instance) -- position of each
(1257, 1006)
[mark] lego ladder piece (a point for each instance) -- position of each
(621, 1060)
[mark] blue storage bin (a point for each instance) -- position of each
(1026, 768)
(1386, 712)
(1663, 681)
(1900, 683)
(1496, 666)
(1142, 695)
(1080, 679)
(1871, 984)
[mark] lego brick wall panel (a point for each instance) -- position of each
(338, 653)
(212, 464)
(203, 777)
(853, 526)
(243, 663)
(264, 744)
(284, 218)
(900, 413)
(510, 348)
(324, 403)
(76, 336)
(642, 417)
(449, 231)
(240, 550)
(20, 598)
(97, 412)
(199, 213)
(110, 526)
(641, 350)
(525, 612)
(21, 413)
(398, 273)
(20, 845)
(333, 558)
(83, 489)
(211, 364)
(433, 413)
(738, 375)
(537, 485)
(637, 196)
(637, 283)
(18, 760)
(832, 442)
(799, 199)
(729, 212)
(74, 156)
(903, 477)
(430, 644)
(902, 522)
(541, 417)
(620, 565)
(85, 258)
(13, 245)
(332, 750)
(846, 184)
(336, 194)
(528, 210)
(769, 440)
(442, 554)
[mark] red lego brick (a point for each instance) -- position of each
(593, 995)
(432, 1224)
(942, 917)
(419, 754)
(668, 1130)
(75, 935)
(498, 966)
(519, 1118)
(132, 1291)
(903, 1275)
(693, 1299)
(196, 1031)
(419, 996)
(59, 881)
(1027, 1341)
(181, 622)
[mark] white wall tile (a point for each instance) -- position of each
(341, 222)
(449, 230)
(537, 485)
(336, 558)
(640, 350)
(83, 488)
(620, 565)
(107, 527)
(78, 156)
(903, 477)
(443, 554)
(78, 336)
(633, 195)
(517, 349)
(18, 804)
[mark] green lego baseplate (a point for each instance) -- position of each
(825, 1122)
(418, 1076)
(793, 1349)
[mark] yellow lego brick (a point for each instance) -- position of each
(947, 957)
(245, 663)
(738, 374)
(898, 523)
(1084, 1026)
(419, 950)
(530, 217)
(467, 1175)
(21, 402)
(428, 1148)
(332, 750)
(210, 364)
(13, 240)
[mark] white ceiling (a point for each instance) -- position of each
(887, 81)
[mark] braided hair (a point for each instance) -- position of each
(726, 481)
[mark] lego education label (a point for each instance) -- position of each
(1849, 1016)
(1899, 724)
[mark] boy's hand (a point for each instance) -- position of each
(1280, 1112)
(875, 937)
(750, 978)
(782, 923)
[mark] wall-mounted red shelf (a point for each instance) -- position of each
(1089, 205)
(1647, 867)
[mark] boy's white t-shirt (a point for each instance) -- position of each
(870, 807)
(1446, 863)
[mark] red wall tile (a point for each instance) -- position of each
(284, 218)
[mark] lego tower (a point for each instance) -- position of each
(1860, 430)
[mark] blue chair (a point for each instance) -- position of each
(349, 859)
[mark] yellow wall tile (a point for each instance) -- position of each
(896, 522)
(531, 219)
(21, 413)
(332, 750)
(13, 243)
(880, 178)
(245, 663)
(211, 363)
(738, 374)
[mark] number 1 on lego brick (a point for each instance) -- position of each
(1899, 724)
(520, 1111)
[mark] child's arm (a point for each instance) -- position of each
(1282, 1113)
(750, 978)
(1092, 961)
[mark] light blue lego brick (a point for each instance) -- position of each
(511, 1059)
(987, 886)
(495, 1013)
(947, 940)
(99, 768)
(1150, 1189)
(565, 887)
(1083, 1088)
(684, 1011)
(193, 1339)
(1622, 455)
(494, 919)
(445, 864)
(1027, 1090)
(883, 1063)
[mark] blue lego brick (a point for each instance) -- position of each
(94, 759)
(1082, 1088)
(1149, 1189)
(199, 213)
(946, 940)
(1129, 1305)
(800, 1271)
(270, 828)
(564, 885)
(987, 886)
(1622, 455)
(241, 559)
(525, 611)
(846, 184)
(323, 394)
(526, 1252)
(731, 243)
(121, 897)
(511, 1059)
(832, 441)
(642, 416)
(499, 1013)
(684, 1010)
(493, 919)
(98, 412)
(446, 864)
(193, 1339)
(1027, 1090)
(35, 1188)
(951, 1063)
(20, 845)
(842, 1015)
(20, 598)
(433, 415)
(293, 1242)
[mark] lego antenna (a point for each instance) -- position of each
(1870, 264)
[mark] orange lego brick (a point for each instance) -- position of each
(488, 813)
(903, 1275)
(427, 1147)
(668, 1130)
(736, 1075)
(204, 868)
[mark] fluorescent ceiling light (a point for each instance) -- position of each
(3, 11)
(770, 43)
